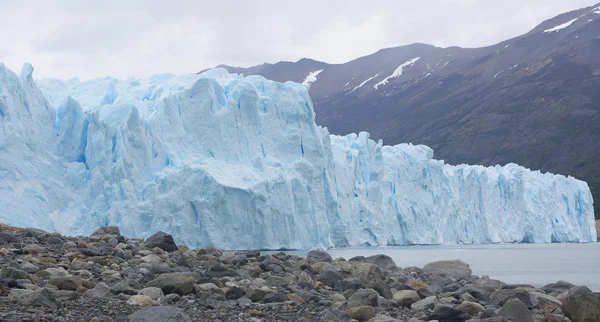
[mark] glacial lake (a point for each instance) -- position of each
(534, 264)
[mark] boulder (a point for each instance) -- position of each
(140, 300)
(329, 276)
(581, 305)
(275, 298)
(319, 256)
(426, 303)
(456, 268)
(173, 283)
(108, 230)
(155, 293)
(44, 297)
(234, 293)
(364, 297)
(515, 310)
(381, 260)
(405, 297)
(101, 290)
(499, 297)
(558, 287)
(69, 283)
(361, 313)
(448, 313)
(11, 273)
(161, 240)
(480, 292)
(256, 294)
(471, 307)
(159, 314)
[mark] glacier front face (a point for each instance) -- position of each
(238, 162)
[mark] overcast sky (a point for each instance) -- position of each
(140, 38)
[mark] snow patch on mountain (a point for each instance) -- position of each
(562, 26)
(397, 72)
(311, 77)
(364, 82)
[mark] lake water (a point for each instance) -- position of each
(534, 264)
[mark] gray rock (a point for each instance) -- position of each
(448, 313)
(126, 286)
(44, 297)
(161, 240)
(381, 260)
(480, 292)
(66, 295)
(456, 268)
(329, 276)
(380, 287)
(348, 284)
(173, 283)
(275, 298)
(515, 310)
(581, 305)
(558, 287)
(276, 281)
(234, 293)
(499, 297)
(318, 256)
(364, 297)
(53, 272)
(69, 283)
(256, 294)
(383, 318)
(333, 315)
(12, 273)
(426, 303)
(101, 290)
(108, 230)
(361, 313)
(471, 307)
(155, 293)
(405, 297)
(219, 271)
(159, 314)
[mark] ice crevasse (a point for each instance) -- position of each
(238, 162)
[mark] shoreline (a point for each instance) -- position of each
(108, 277)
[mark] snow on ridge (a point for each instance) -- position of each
(560, 27)
(397, 72)
(311, 77)
(366, 81)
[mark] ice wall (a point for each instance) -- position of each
(238, 162)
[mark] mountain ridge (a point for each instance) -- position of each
(532, 99)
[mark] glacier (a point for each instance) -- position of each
(238, 162)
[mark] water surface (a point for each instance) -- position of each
(535, 264)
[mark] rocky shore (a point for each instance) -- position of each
(108, 277)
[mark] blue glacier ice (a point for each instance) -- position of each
(238, 162)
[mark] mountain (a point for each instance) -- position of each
(533, 99)
(239, 162)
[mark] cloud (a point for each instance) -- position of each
(125, 38)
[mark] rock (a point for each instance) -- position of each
(254, 312)
(44, 297)
(234, 293)
(456, 268)
(499, 297)
(256, 294)
(161, 240)
(319, 256)
(219, 271)
(480, 292)
(155, 294)
(126, 286)
(581, 305)
(364, 297)
(405, 297)
(447, 313)
(17, 294)
(159, 314)
(333, 315)
(69, 283)
(471, 307)
(152, 258)
(34, 249)
(540, 300)
(173, 283)
(381, 260)
(348, 284)
(101, 290)
(208, 287)
(367, 272)
(141, 300)
(380, 287)
(330, 277)
(515, 310)
(558, 287)
(361, 313)
(108, 230)
(426, 303)
(53, 272)
(383, 318)
(12, 273)
(275, 298)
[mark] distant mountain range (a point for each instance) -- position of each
(532, 100)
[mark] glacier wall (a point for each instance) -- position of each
(238, 162)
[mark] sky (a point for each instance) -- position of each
(89, 39)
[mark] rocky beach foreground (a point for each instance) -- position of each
(108, 277)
